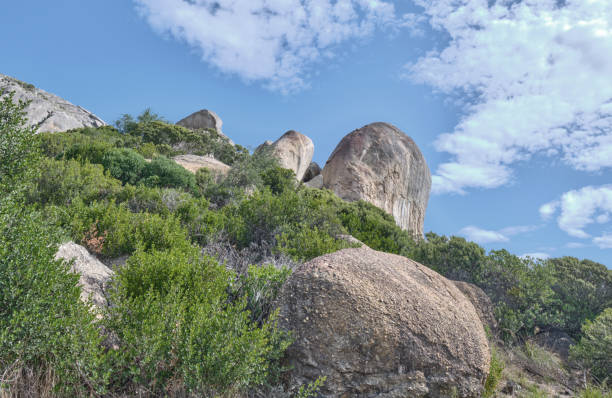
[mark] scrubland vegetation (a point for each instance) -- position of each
(192, 311)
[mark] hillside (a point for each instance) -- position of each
(154, 259)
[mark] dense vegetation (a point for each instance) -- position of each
(117, 192)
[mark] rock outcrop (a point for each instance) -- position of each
(46, 111)
(381, 165)
(381, 325)
(94, 276)
(194, 163)
(204, 119)
(481, 302)
(312, 171)
(293, 150)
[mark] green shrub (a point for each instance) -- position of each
(62, 183)
(594, 392)
(122, 231)
(279, 180)
(495, 373)
(179, 332)
(260, 285)
(304, 243)
(17, 145)
(582, 289)
(48, 338)
(125, 165)
(594, 350)
(164, 172)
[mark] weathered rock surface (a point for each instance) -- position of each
(194, 163)
(94, 276)
(47, 111)
(381, 325)
(204, 119)
(381, 165)
(316, 182)
(312, 171)
(293, 150)
(481, 302)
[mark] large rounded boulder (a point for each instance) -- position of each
(293, 151)
(381, 325)
(381, 165)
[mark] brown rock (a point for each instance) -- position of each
(481, 302)
(381, 325)
(194, 163)
(381, 165)
(94, 276)
(293, 150)
(316, 182)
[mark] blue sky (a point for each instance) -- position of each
(510, 101)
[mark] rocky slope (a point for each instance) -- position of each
(46, 111)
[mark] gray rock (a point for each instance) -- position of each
(94, 276)
(381, 325)
(48, 112)
(381, 165)
(316, 182)
(293, 150)
(204, 119)
(312, 171)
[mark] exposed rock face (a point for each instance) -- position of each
(316, 182)
(48, 112)
(204, 119)
(194, 163)
(381, 165)
(94, 276)
(481, 302)
(293, 150)
(381, 325)
(312, 171)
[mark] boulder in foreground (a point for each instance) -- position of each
(381, 325)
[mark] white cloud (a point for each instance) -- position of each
(604, 241)
(575, 245)
(548, 210)
(539, 76)
(483, 236)
(274, 41)
(581, 208)
(537, 256)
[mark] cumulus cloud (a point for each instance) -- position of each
(537, 73)
(274, 41)
(580, 208)
(483, 236)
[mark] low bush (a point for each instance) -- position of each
(123, 231)
(594, 350)
(125, 165)
(49, 341)
(495, 373)
(61, 182)
(166, 173)
(179, 332)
